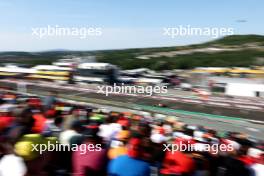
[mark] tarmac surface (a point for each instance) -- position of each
(194, 111)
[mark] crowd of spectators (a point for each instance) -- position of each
(116, 143)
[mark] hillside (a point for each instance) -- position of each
(236, 50)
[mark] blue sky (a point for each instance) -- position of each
(125, 24)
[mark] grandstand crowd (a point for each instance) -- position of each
(120, 143)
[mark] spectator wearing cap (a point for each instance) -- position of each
(34, 103)
(50, 100)
(67, 138)
(158, 135)
(66, 135)
(9, 98)
(53, 127)
(118, 146)
(178, 162)
(22, 124)
(93, 160)
(110, 128)
(130, 164)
